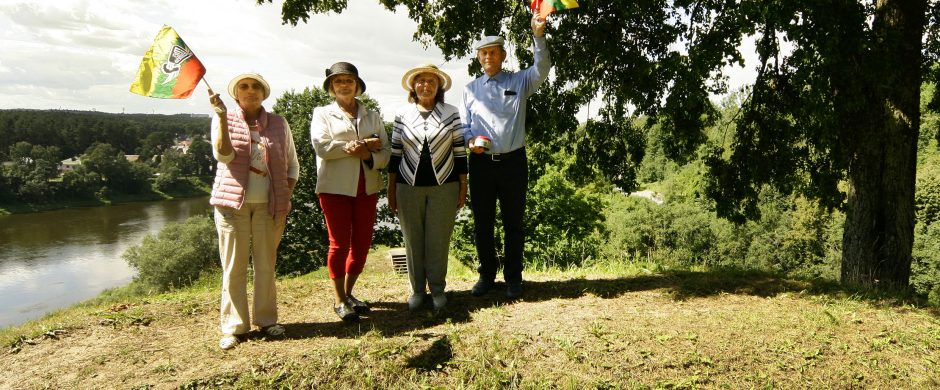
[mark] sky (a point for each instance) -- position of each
(83, 55)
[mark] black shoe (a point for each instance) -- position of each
(359, 306)
(346, 312)
(481, 287)
(514, 290)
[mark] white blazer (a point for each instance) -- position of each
(338, 172)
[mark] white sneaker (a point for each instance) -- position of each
(439, 301)
(415, 301)
(228, 342)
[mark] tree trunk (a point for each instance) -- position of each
(879, 225)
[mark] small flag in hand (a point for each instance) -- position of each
(169, 70)
(545, 7)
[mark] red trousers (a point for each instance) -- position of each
(349, 221)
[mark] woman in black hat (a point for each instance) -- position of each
(352, 148)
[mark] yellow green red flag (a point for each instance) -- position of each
(169, 69)
(545, 7)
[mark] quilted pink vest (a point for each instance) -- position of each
(231, 179)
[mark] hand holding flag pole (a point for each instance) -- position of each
(217, 104)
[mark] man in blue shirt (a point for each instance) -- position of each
(494, 109)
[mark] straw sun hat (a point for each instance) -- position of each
(254, 76)
(408, 79)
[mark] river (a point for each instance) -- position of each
(55, 259)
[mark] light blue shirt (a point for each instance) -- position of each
(495, 106)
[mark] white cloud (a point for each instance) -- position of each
(83, 54)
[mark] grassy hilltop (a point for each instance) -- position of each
(583, 328)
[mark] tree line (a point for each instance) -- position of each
(36, 142)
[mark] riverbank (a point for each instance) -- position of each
(57, 258)
(602, 327)
(192, 188)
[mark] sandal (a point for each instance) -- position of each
(228, 342)
(273, 330)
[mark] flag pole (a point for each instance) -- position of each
(207, 85)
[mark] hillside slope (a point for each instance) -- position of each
(582, 329)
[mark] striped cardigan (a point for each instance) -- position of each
(444, 133)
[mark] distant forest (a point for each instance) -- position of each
(35, 142)
(74, 131)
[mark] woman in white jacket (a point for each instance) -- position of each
(352, 148)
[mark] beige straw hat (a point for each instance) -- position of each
(408, 79)
(254, 76)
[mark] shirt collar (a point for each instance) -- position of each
(498, 77)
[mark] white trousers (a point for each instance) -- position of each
(248, 232)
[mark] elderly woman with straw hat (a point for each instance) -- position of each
(352, 148)
(255, 177)
(427, 179)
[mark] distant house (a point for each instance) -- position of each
(132, 157)
(69, 164)
(8, 164)
(183, 145)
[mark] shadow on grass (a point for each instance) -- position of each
(391, 318)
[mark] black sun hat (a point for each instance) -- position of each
(343, 68)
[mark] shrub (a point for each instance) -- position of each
(796, 236)
(563, 225)
(925, 264)
(679, 234)
(927, 192)
(176, 256)
(562, 222)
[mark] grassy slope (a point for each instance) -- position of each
(591, 328)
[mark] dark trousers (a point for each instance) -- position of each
(505, 181)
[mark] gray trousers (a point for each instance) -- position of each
(427, 216)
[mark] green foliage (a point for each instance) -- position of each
(815, 116)
(36, 142)
(200, 155)
(612, 148)
(81, 182)
(118, 174)
(304, 245)
(564, 224)
(925, 267)
(682, 234)
(927, 194)
(32, 168)
(794, 236)
(176, 256)
(155, 144)
(75, 131)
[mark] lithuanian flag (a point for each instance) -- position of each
(169, 69)
(548, 6)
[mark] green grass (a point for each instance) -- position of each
(605, 326)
